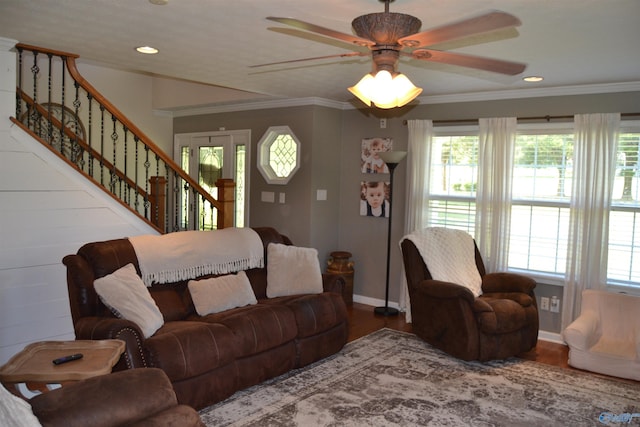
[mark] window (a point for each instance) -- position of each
(541, 197)
(540, 202)
(452, 182)
(623, 266)
(278, 155)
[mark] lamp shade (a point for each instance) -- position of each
(384, 90)
(392, 156)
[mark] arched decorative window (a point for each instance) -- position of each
(278, 155)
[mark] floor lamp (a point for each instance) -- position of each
(392, 159)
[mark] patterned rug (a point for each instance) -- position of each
(391, 378)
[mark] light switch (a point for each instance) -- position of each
(281, 197)
(321, 194)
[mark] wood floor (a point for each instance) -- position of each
(363, 321)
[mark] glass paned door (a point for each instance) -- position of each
(208, 157)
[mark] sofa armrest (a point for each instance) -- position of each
(445, 290)
(507, 282)
(582, 333)
(120, 398)
(101, 328)
(333, 283)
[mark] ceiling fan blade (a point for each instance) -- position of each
(469, 61)
(342, 55)
(480, 24)
(359, 41)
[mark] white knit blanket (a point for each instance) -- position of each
(449, 255)
(186, 255)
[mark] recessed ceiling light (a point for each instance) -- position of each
(147, 49)
(159, 2)
(533, 79)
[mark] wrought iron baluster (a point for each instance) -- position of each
(77, 152)
(176, 201)
(62, 103)
(102, 153)
(136, 194)
(19, 91)
(34, 71)
(166, 198)
(114, 139)
(89, 137)
(147, 165)
(126, 198)
(49, 116)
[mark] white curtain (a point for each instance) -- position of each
(594, 159)
(493, 194)
(418, 165)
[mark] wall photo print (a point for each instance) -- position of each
(370, 161)
(374, 199)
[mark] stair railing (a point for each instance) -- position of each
(66, 113)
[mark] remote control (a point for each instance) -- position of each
(66, 359)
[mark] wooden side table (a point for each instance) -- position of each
(35, 363)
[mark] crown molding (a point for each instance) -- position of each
(423, 100)
(532, 93)
(258, 105)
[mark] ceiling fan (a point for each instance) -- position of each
(388, 34)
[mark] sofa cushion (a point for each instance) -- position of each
(292, 270)
(124, 292)
(313, 314)
(186, 349)
(217, 294)
(258, 327)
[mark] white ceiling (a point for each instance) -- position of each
(569, 42)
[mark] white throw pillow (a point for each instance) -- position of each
(292, 270)
(221, 293)
(125, 294)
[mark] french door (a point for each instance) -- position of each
(207, 157)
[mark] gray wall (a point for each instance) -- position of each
(331, 142)
(306, 221)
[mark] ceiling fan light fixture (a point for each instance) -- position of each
(384, 90)
(148, 50)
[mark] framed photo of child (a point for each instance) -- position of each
(374, 199)
(370, 161)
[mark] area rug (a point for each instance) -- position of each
(392, 378)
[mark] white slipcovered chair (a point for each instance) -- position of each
(605, 338)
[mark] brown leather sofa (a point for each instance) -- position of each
(138, 397)
(209, 358)
(500, 323)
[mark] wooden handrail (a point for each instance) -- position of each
(73, 71)
(187, 209)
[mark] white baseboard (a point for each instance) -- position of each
(375, 302)
(550, 336)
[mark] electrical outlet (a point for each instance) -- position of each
(555, 305)
(544, 303)
(383, 123)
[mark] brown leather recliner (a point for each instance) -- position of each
(136, 397)
(500, 323)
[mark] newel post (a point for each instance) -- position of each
(158, 198)
(227, 197)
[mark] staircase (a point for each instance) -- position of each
(58, 107)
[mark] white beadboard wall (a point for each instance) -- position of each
(47, 210)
